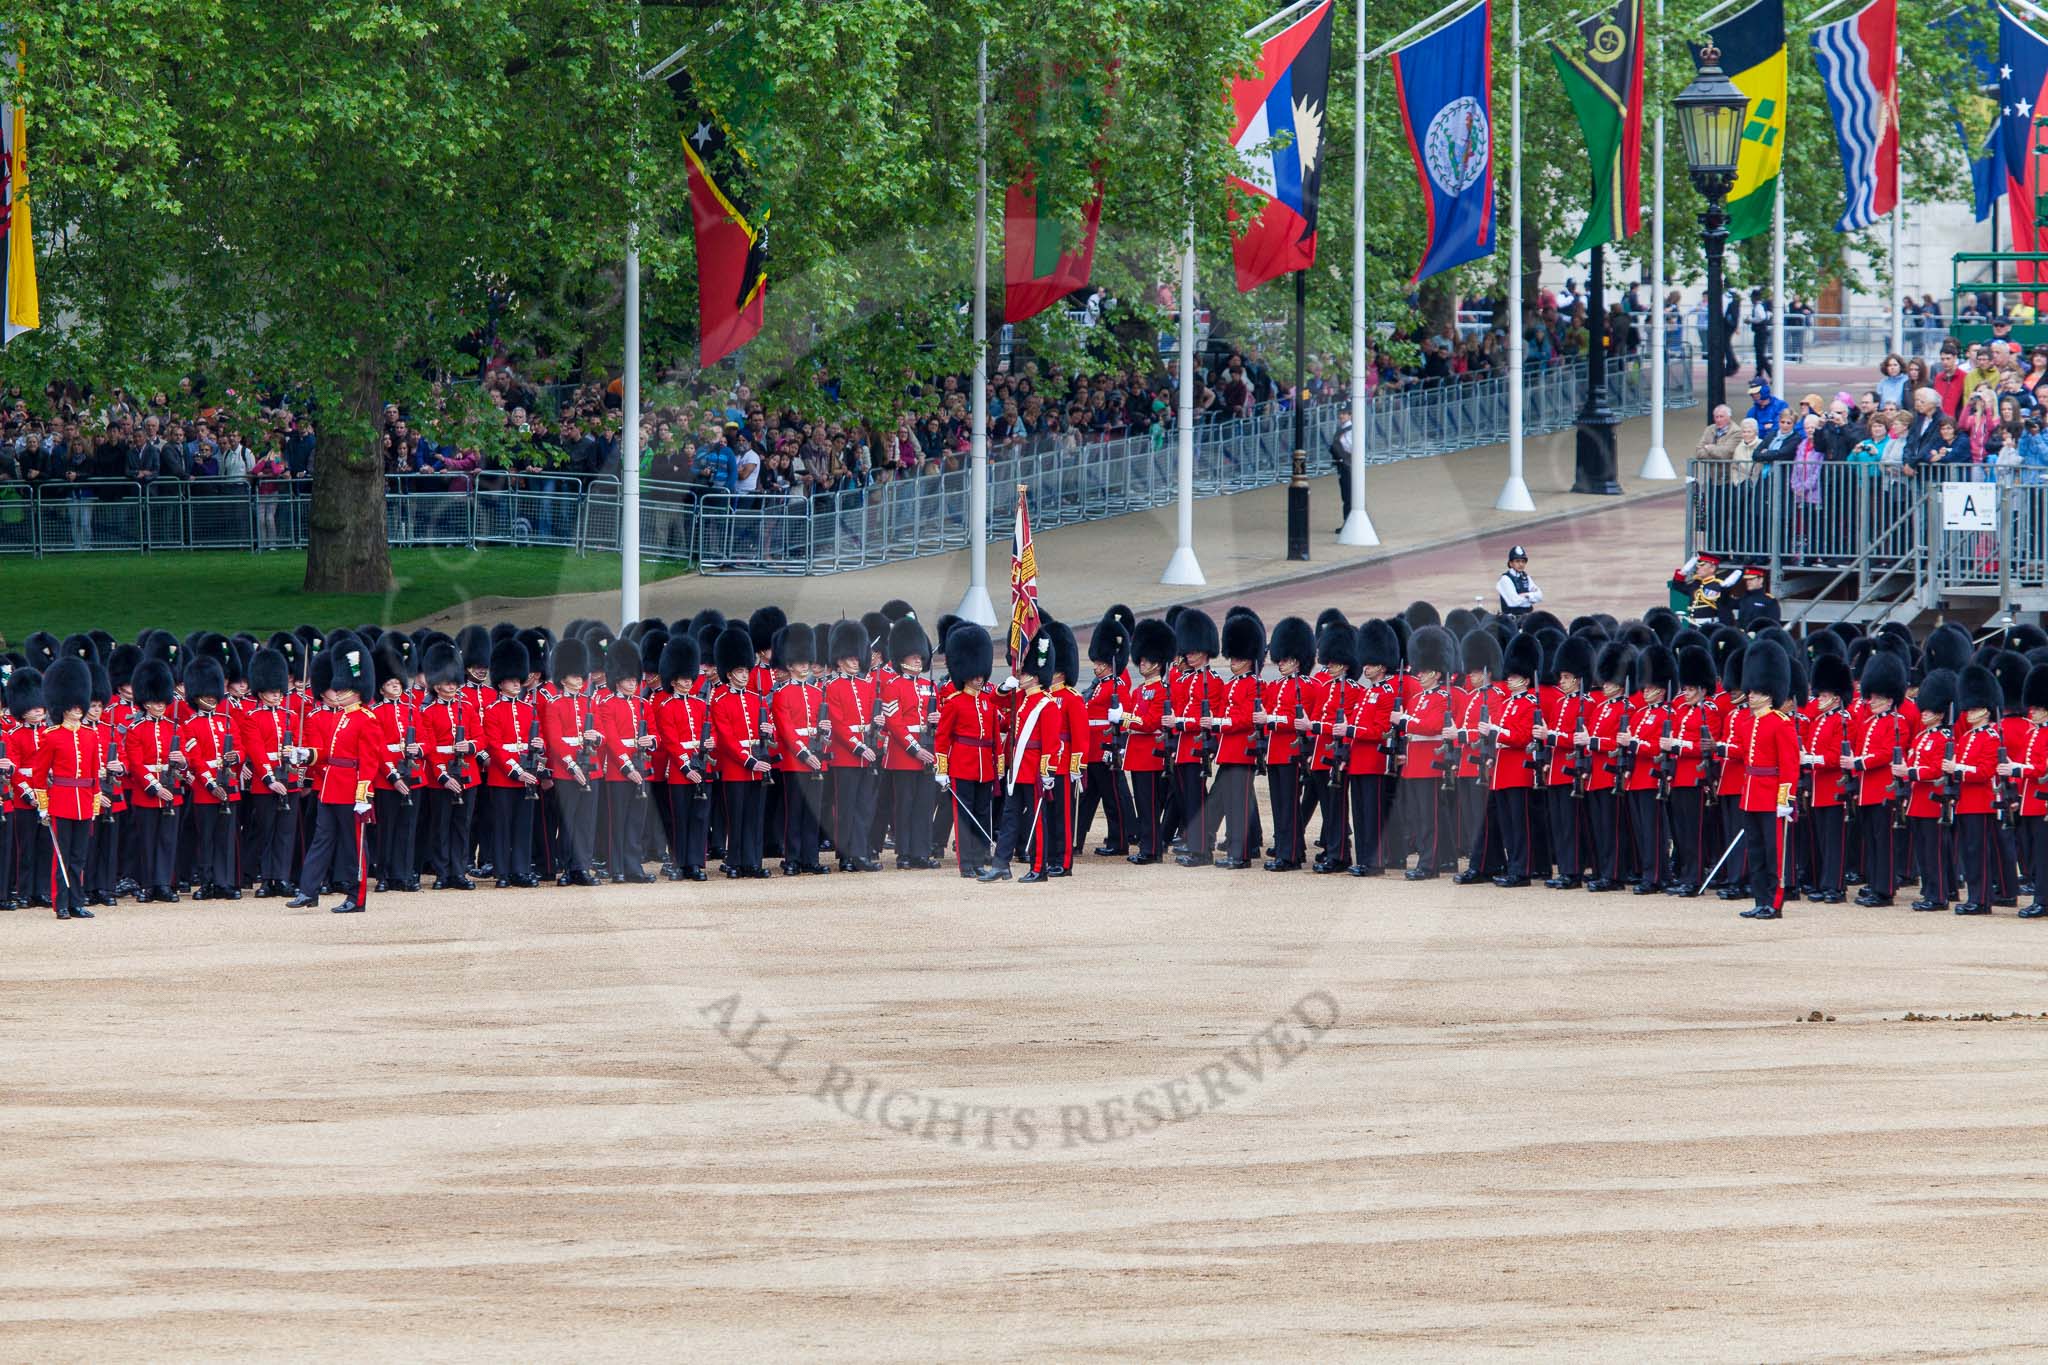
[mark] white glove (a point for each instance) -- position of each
(1008, 684)
(1045, 781)
(945, 784)
(1116, 715)
(362, 808)
(1784, 812)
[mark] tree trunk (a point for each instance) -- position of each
(345, 545)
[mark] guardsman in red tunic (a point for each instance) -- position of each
(1770, 769)
(1426, 718)
(1105, 701)
(910, 765)
(453, 729)
(1367, 735)
(851, 702)
(1828, 750)
(796, 714)
(345, 754)
(1656, 679)
(1926, 763)
(1233, 798)
(2030, 764)
(1606, 721)
(1147, 743)
(400, 775)
(628, 751)
(1684, 748)
(516, 756)
(65, 776)
(1038, 751)
(1561, 710)
(682, 723)
(205, 741)
(1281, 701)
(970, 744)
(1326, 698)
(261, 732)
(1978, 703)
(149, 755)
(575, 747)
(1509, 731)
(1879, 743)
(1736, 722)
(23, 837)
(103, 871)
(737, 714)
(1480, 690)
(1193, 701)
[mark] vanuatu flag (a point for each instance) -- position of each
(18, 308)
(1047, 254)
(1602, 69)
(732, 238)
(1752, 47)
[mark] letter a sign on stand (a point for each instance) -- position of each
(1969, 507)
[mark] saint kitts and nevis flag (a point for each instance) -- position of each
(1752, 45)
(18, 307)
(1602, 69)
(732, 238)
(1282, 116)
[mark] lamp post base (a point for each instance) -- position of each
(1657, 465)
(1514, 496)
(976, 607)
(1358, 529)
(1182, 571)
(1594, 469)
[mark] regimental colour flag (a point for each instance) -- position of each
(1752, 45)
(1859, 69)
(19, 311)
(732, 237)
(1024, 620)
(1602, 69)
(2022, 87)
(1047, 254)
(1444, 83)
(1282, 120)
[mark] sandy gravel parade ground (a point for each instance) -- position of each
(1146, 1113)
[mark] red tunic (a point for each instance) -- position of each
(1825, 743)
(348, 756)
(65, 772)
(1186, 694)
(1978, 753)
(851, 703)
(1430, 712)
(1516, 714)
(1648, 726)
(259, 736)
(2033, 757)
(23, 743)
(1146, 742)
(910, 693)
(1283, 699)
(735, 729)
(563, 723)
(1770, 762)
(508, 741)
(438, 724)
(621, 720)
(970, 737)
(1330, 700)
(1370, 716)
(1238, 738)
(680, 724)
(204, 739)
(1039, 745)
(796, 711)
(1105, 695)
(1605, 717)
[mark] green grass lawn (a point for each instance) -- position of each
(230, 591)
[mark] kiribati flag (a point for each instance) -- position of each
(2022, 85)
(1286, 104)
(1445, 85)
(1858, 60)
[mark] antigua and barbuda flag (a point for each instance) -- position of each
(1444, 83)
(1287, 102)
(1859, 70)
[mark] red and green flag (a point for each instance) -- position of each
(1049, 247)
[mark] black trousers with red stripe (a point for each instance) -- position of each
(1567, 831)
(1880, 854)
(1195, 830)
(1148, 800)
(1023, 831)
(912, 792)
(1368, 820)
(1647, 818)
(1981, 852)
(689, 805)
(1831, 848)
(1687, 813)
(1230, 805)
(1424, 813)
(1105, 788)
(1507, 816)
(1283, 789)
(1770, 847)
(334, 853)
(73, 840)
(1608, 824)
(803, 800)
(1934, 856)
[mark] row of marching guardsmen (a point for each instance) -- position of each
(1605, 755)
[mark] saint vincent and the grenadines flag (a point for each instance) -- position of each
(1752, 45)
(732, 238)
(1602, 69)
(1280, 132)
(19, 311)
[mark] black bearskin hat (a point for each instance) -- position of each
(475, 643)
(509, 662)
(1574, 656)
(1831, 674)
(796, 644)
(67, 687)
(875, 627)
(734, 651)
(1110, 643)
(622, 663)
(1696, 669)
(2034, 695)
(1420, 614)
(1373, 643)
(1767, 669)
(1244, 637)
(1293, 639)
(680, 660)
(443, 663)
(907, 637)
(1884, 675)
(102, 685)
(1460, 622)
(1120, 616)
(707, 618)
(1826, 642)
(389, 661)
(121, 663)
(81, 647)
(154, 683)
(41, 648)
(1339, 644)
(1151, 642)
(571, 660)
(1937, 693)
(849, 641)
(1616, 664)
(895, 609)
(1656, 666)
(1038, 660)
(1480, 652)
(1523, 658)
(1066, 651)
(971, 653)
(25, 689)
(540, 647)
(1976, 690)
(763, 624)
(203, 678)
(1432, 649)
(944, 631)
(1195, 633)
(2011, 669)
(1663, 623)
(1947, 647)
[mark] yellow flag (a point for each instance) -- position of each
(19, 309)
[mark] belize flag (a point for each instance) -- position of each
(1445, 86)
(2022, 84)
(1287, 102)
(1859, 70)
